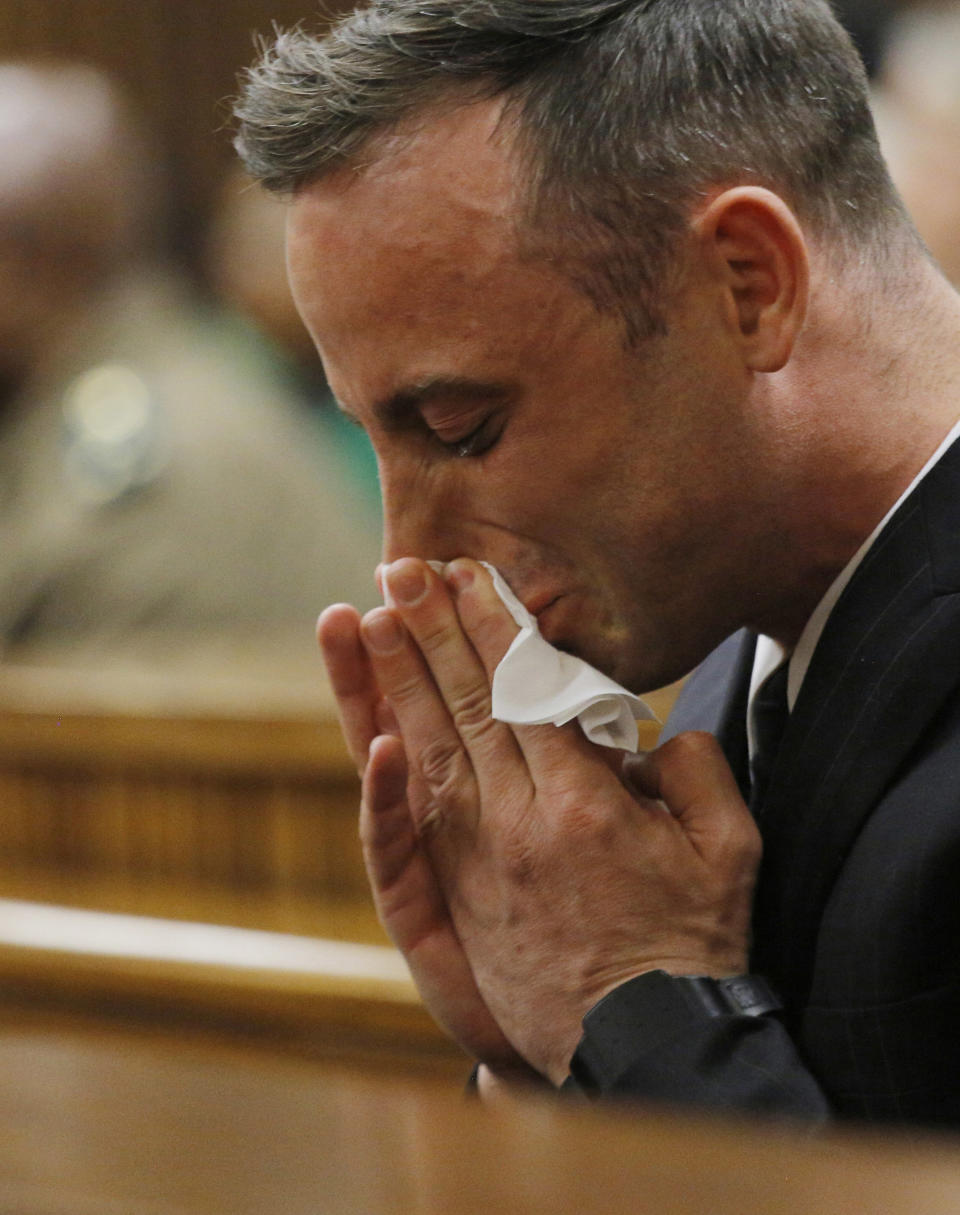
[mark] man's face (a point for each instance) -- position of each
(511, 423)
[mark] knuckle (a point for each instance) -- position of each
(406, 689)
(429, 807)
(490, 633)
(522, 860)
(430, 820)
(739, 849)
(696, 746)
(583, 825)
(578, 816)
(440, 764)
(750, 849)
(471, 709)
(434, 634)
(524, 850)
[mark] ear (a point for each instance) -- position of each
(757, 256)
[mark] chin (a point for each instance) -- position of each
(609, 658)
(576, 627)
(637, 666)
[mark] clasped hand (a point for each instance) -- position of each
(523, 871)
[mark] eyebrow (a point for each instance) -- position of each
(403, 406)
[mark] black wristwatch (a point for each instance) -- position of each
(743, 995)
(656, 1007)
(738, 995)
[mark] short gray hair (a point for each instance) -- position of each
(626, 111)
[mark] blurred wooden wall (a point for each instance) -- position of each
(178, 60)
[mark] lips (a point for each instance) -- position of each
(536, 605)
(550, 619)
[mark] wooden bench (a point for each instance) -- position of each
(114, 1123)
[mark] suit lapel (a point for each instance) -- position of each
(887, 660)
(714, 699)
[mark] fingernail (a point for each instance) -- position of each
(382, 633)
(407, 583)
(458, 577)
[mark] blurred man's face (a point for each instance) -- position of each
(511, 422)
(64, 187)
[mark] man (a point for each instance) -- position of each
(150, 482)
(629, 308)
(245, 262)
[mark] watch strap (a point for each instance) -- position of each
(739, 995)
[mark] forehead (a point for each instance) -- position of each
(456, 161)
(430, 202)
(410, 262)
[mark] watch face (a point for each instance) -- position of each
(750, 995)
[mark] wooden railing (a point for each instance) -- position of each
(178, 847)
(138, 776)
(309, 996)
(173, 833)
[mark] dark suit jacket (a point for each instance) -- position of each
(857, 914)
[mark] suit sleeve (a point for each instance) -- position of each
(648, 1040)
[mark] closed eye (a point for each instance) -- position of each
(479, 441)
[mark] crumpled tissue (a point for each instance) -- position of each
(537, 684)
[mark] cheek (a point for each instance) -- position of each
(566, 515)
(558, 456)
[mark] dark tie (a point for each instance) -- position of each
(770, 716)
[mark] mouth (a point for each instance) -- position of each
(550, 620)
(537, 605)
(542, 607)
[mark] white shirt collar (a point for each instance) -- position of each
(770, 654)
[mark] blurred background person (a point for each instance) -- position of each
(917, 105)
(869, 23)
(246, 269)
(149, 480)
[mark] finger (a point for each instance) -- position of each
(441, 784)
(386, 718)
(414, 912)
(387, 833)
(430, 616)
(509, 1087)
(685, 772)
(482, 612)
(406, 892)
(491, 631)
(691, 776)
(351, 678)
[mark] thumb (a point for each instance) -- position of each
(691, 777)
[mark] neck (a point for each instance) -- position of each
(868, 397)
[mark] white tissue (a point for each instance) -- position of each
(537, 684)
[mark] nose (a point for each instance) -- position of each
(416, 522)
